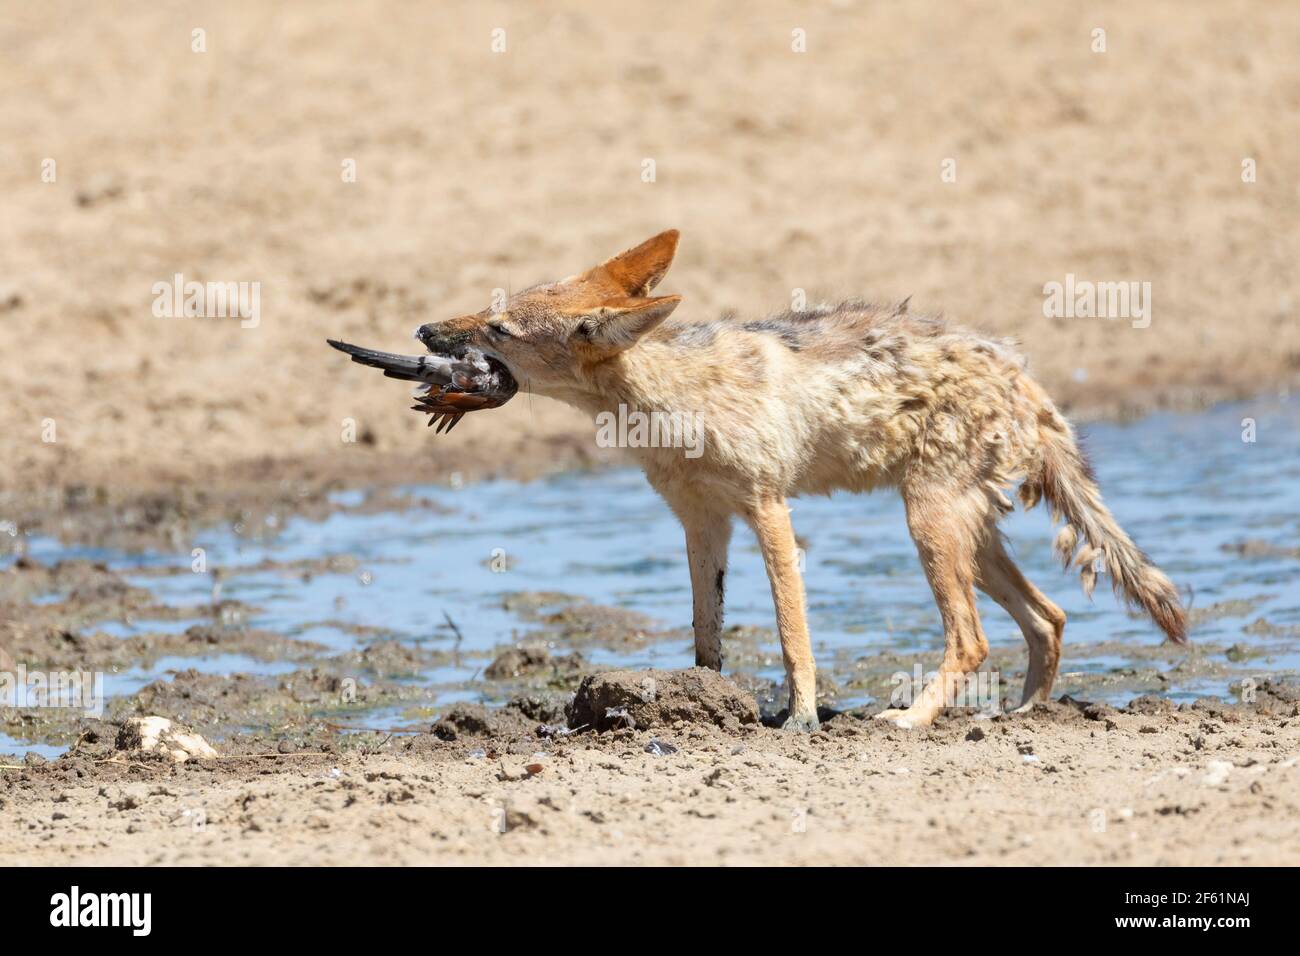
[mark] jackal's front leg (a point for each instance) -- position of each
(770, 520)
(707, 537)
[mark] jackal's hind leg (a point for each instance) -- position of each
(1041, 621)
(770, 520)
(707, 537)
(944, 529)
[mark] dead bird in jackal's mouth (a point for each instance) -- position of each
(457, 385)
(850, 396)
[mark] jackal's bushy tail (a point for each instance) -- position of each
(1065, 479)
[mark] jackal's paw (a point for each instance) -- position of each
(905, 719)
(802, 723)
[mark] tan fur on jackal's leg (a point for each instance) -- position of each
(1041, 621)
(942, 528)
(707, 537)
(770, 520)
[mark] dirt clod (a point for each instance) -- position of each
(659, 698)
(153, 734)
(464, 719)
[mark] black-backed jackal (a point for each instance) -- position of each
(852, 396)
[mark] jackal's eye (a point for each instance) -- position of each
(496, 328)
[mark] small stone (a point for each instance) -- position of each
(660, 748)
(1217, 772)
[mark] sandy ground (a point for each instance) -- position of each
(476, 170)
(1151, 785)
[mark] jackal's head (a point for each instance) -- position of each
(551, 335)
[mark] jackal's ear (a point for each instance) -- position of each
(617, 324)
(639, 270)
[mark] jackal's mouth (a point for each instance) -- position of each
(460, 349)
(506, 382)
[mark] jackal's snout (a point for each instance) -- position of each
(449, 339)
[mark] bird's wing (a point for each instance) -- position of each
(455, 386)
(429, 369)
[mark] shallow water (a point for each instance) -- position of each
(1184, 486)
